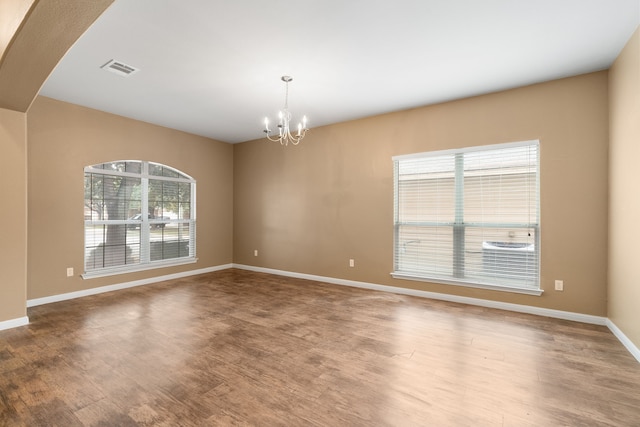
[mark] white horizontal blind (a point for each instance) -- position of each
(118, 236)
(469, 216)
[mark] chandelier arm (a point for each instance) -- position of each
(278, 138)
(295, 139)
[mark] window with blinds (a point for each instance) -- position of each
(138, 215)
(469, 217)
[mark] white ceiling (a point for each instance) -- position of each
(213, 67)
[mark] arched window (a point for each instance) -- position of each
(138, 215)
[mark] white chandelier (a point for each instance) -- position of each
(284, 135)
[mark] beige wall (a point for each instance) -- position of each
(13, 215)
(624, 209)
(310, 208)
(63, 139)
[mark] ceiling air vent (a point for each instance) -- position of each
(119, 68)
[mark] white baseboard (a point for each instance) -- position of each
(116, 287)
(635, 351)
(14, 323)
(547, 312)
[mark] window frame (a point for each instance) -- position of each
(459, 223)
(145, 223)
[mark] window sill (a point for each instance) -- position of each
(142, 267)
(501, 288)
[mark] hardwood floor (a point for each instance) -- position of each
(244, 348)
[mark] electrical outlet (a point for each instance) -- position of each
(352, 263)
(255, 252)
(559, 285)
(69, 271)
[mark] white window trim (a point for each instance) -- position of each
(132, 268)
(465, 150)
(469, 284)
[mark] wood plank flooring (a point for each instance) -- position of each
(243, 348)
